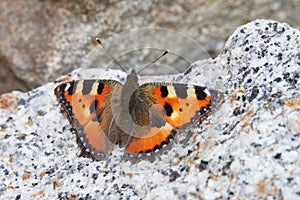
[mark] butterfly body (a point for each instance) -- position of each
(142, 119)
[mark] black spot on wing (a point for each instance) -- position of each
(201, 95)
(72, 88)
(93, 106)
(168, 109)
(181, 90)
(100, 88)
(164, 91)
(87, 86)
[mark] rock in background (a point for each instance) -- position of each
(41, 40)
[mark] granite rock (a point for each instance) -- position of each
(248, 148)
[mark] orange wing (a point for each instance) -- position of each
(183, 104)
(174, 107)
(87, 104)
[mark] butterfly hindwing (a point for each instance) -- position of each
(87, 104)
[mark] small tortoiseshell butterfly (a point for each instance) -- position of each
(143, 119)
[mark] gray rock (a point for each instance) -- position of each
(248, 148)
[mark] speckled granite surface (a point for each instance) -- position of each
(247, 149)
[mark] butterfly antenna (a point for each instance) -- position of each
(114, 60)
(154, 61)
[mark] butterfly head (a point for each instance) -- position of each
(132, 77)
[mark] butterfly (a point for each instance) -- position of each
(143, 119)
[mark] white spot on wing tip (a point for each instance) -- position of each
(207, 91)
(68, 85)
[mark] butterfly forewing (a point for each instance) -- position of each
(87, 104)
